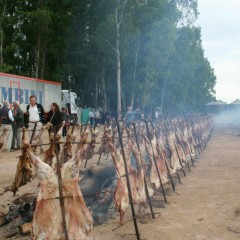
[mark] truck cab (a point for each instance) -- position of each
(69, 101)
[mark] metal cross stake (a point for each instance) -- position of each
(172, 183)
(128, 182)
(60, 189)
(144, 176)
(155, 163)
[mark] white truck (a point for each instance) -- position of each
(69, 100)
(19, 88)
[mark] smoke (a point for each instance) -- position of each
(228, 118)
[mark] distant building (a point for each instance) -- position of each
(235, 105)
(216, 107)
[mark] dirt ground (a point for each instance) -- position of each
(206, 206)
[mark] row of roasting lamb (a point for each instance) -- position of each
(173, 143)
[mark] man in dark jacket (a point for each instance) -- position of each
(35, 116)
(6, 120)
(18, 123)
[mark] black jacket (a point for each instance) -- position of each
(40, 112)
(4, 119)
(19, 118)
(55, 118)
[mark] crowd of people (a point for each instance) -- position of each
(13, 119)
(97, 117)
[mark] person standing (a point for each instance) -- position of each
(17, 125)
(91, 118)
(97, 116)
(35, 115)
(65, 118)
(130, 117)
(55, 118)
(6, 120)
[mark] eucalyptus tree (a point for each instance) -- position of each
(112, 53)
(8, 22)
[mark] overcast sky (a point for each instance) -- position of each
(220, 24)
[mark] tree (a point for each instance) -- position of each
(147, 54)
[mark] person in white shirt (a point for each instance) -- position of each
(36, 116)
(97, 116)
(91, 118)
(6, 120)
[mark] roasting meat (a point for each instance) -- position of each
(174, 162)
(66, 152)
(24, 171)
(154, 178)
(47, 220)
(49, 154)
(121, 198)
(141, 194)
(2, 137)
(104, 147)
(132, 173)
(91, 146)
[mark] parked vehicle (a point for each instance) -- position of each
(20, 88)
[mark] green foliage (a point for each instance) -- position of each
(74, 41)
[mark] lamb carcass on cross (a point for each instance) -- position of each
(2, 137)
(47, 220)
(66, 152)
(50, 153)
(121, 198)
(24, 171)
(161, 167)
(91, 145)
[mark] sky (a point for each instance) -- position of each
(220, 26)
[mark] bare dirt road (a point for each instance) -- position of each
(206, 206)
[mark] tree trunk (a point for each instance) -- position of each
(42, 71)
(43, 57)
(96, 87)
(118, 59)
(2, 36)
(96, 93)
(134, 72)
(104, 93)
(37, 58)
(163, 93)
(118, 22)
(1, 46)
(145, 90)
